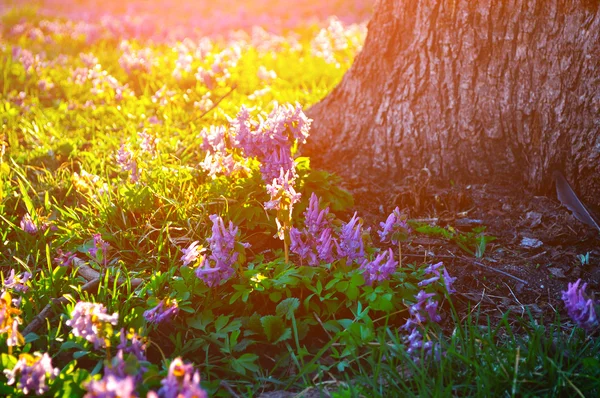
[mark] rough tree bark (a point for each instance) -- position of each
(470, 90)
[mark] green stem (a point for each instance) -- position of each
(400, 253)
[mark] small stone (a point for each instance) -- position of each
(557, 272)
(531, 243)
(506, 207)
(534, 218)
(519, 287)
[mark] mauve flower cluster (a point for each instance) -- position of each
(181, 381)
(111, 386)
(314, 243)
(132, 343)
(17, 282)
(90, 321)
(432, 272)
(191, 253)
(205, 103)
(33, 372)
(351, 245)
(31, 63)
(219, 264)
(127, 161)
(394, 229)
(135, 60)
(266, 75)
(148, 143)
(282, 191)
(164, 311)
(64, 259)
(28, 225)
(103, 83)
(580, 308)
(218, 160)
(423, 311)
(118, 380)
(380, 268)
(317, 241)
(220, 70)
(271, 140)
(163, 96)
(100, 249)
(337, 38)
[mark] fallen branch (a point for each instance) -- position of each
(496, 270)
(213, 106)
(86, 272)
(44, 314)
(90, 274)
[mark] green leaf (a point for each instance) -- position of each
(201, 322)
(79, 354)
(275, 329)
(287, 307)
(67, 345)
(275, 296)
(342, 286)
(357, 279)
(221, 322)
(352, 292)
(8, 361)
(248, 362)
(31, 337)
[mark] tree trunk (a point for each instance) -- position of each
(470, 90)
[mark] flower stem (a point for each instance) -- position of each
(400, 253)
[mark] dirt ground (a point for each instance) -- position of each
(526, 268)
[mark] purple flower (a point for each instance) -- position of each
(395, 228)
(315, 219)
(282, 192)
(90, 321)
(433, 268)
(100, 247)
(28, 225)
(214, 139)
(303, 245)
(428, 281)
(220, 163)
(190, 255)
(33, 372)
(276, 160)
(132, 343)
(64, 259)
(379, 269)
(111, 386)
(148, 143)
(17, 282)
(433, 271)
(314, 243)
(163, 312)
(181, 381)
(324, 245)
(271, 140)
(219, 264)
(127, 161)
(579, 307)
(153, 120)
(425, 309)
(448, 280)
(351, 245)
